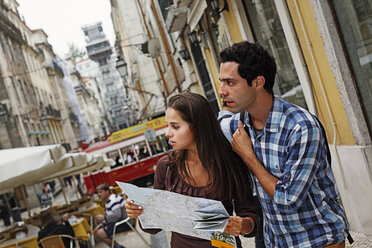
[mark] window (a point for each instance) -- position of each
(114, 100)
(269, 33)
(21, 86)
(15, 89)
(141, 150)
(164, 5)
(112, 154)
(355, 21)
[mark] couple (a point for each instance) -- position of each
(282, 145)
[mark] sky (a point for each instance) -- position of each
(62, 20)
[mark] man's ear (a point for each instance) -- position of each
(260, 81)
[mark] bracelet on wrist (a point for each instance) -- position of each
(251, 223)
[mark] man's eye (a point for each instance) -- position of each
(229, 83)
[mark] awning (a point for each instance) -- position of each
(22, 165)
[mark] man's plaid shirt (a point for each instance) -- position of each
(305, 211)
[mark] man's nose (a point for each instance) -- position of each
(222, 92)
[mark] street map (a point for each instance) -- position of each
(193, 216)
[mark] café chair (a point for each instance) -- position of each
(116, 235)
(91, 236)
(56, 241)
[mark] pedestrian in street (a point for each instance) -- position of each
(285, 148)
(45, 201)
(4, 213)
(48, 191)
(202, 164)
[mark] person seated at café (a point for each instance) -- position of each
(50, 226)
(115, 212)
(4, 213)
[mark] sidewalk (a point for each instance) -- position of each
(132, 240)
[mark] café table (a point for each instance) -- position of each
(92, 209)
(29, 241)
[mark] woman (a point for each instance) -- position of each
(202, 165)
(51, 227)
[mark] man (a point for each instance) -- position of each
(115, 211)
(285, 149)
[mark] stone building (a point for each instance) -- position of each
(323, 55)
(99, 50)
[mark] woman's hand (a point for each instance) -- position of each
(238, 225)
(234, 226)
(133, 210)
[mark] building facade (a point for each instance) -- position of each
(322, 50)
(89, 71)
(100, 51)
(142, 79)
(19, 61)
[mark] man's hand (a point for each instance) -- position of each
(242, 144)
(100, 218)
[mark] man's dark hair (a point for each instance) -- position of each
(104, 187)
(253, 61)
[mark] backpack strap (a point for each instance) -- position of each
(325, 139)
(242, 119)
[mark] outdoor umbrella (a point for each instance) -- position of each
(23, 165)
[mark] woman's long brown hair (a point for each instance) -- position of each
(228, 176)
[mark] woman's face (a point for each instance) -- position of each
(179, 133)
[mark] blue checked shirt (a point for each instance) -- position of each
(305, 211)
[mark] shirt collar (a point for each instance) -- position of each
(275, 116)
(273, 119)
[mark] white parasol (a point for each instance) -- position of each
(23, 165)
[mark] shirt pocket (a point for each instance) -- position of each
(276, 163)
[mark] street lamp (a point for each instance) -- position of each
(122, 67)
(193, 36)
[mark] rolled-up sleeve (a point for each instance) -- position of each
(299, 169)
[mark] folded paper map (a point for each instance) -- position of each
(193, 216)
